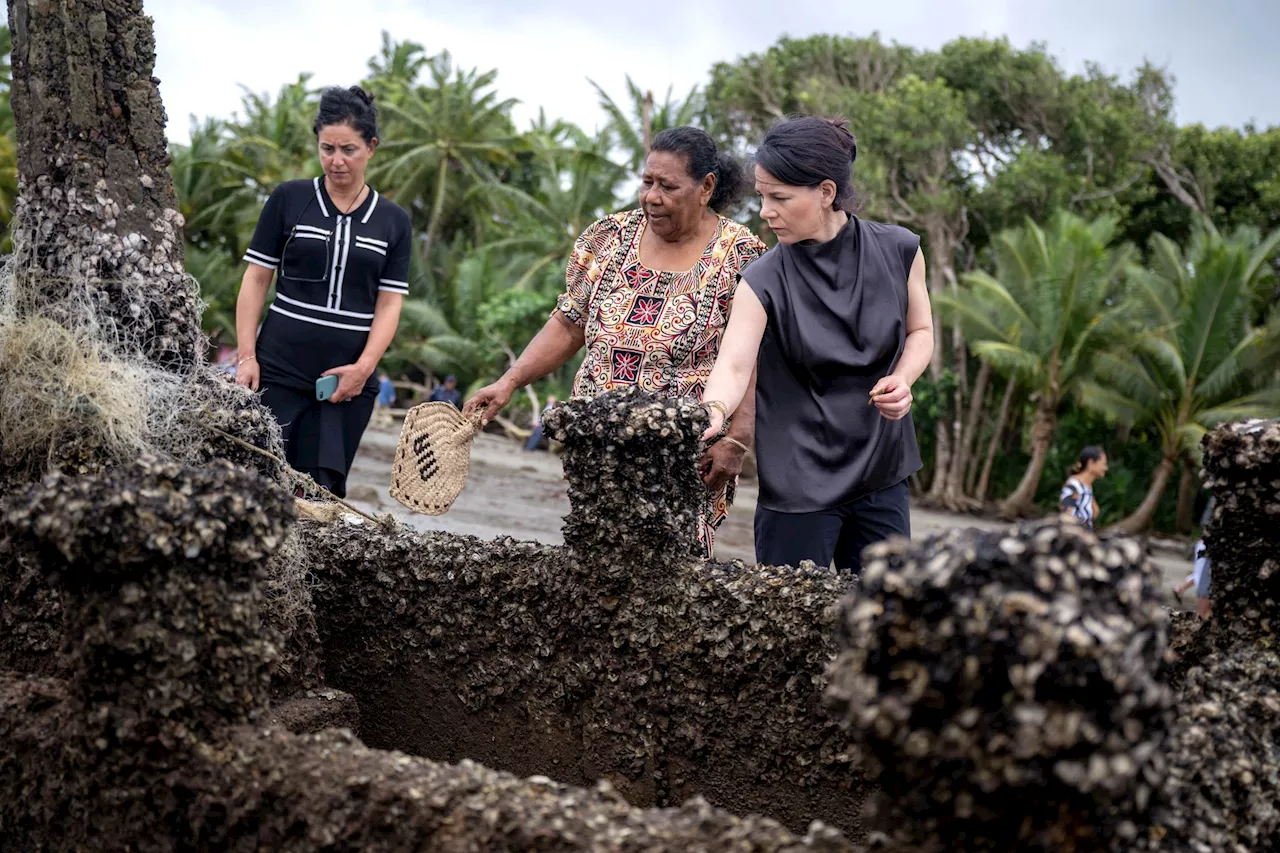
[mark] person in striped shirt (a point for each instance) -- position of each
(1077, 499)
(339, 254)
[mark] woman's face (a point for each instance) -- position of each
(344, 155)
(672, 201)
(795, 214)
(1097, 467)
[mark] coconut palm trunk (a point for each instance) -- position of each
(1140, 519)
(1042, 428)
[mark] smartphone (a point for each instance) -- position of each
(325, 386)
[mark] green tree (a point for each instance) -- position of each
(634, 127)
(1047, 312)
(1199, 361)
(444, 137)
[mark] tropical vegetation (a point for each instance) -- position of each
(1101, 275)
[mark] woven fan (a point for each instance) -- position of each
(433, 457)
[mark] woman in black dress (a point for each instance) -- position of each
(339, 252)
(838, 316)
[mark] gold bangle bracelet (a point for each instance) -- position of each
(716, 404)
(245, 359)
(736, 443)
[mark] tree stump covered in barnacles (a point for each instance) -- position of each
(96, 207)
(1006, 688)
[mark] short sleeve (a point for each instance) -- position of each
(268, 235)
(591, 251)
(395, 277)
(1069, 500)
(910, 244)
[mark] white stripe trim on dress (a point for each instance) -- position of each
(337, 311)
(383, 243)
(312, 229)
(397, 290)
(377, 249)
(394, 283)
(372, 205)
(320, 199)
(307, 235)
(263, 255)
(342, 268)
(347, 326)
(251, 259)
(333, 270)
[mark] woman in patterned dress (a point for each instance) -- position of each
(648, 295)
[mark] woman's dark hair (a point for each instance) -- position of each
(353, 106)
(700, 152)
(804, 152)
(1089, 454)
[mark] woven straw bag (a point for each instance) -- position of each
(433, 457)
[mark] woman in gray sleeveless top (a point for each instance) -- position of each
(836, 321)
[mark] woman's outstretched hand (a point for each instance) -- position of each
(489, 400)
(892, 396)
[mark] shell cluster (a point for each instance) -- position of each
(1006, 688)
(1223, 785)
(631, 462)
(157, 733)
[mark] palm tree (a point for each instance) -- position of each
(570, 182)
(1042, 318)
(443, 138)
(1198, 362)
(635, 128)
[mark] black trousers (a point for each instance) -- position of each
(839, 534)
(321, 438)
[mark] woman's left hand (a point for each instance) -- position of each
(720, 464)
(351, 379)
(892, 396)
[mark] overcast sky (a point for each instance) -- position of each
(1222, 53)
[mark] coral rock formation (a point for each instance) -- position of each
(1006, 688)
(619, 656)
(150, 746)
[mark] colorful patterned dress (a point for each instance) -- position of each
(658, 330)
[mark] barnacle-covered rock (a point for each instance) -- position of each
(706, 679)
(631, 462)
(1223, 785)
(1007, 689)
(158, 567)
(1242, 468)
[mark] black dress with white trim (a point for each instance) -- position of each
(330, 267)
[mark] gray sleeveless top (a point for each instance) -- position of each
(837, 324)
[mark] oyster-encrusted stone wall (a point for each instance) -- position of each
(157, 741)
(619, 656)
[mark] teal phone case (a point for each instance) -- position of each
(325, 386)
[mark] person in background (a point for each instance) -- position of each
(647, 297)
(386, 391)
(838, 316)
(535, 438)
(448, 393)
(339, 253)
(1077, 499)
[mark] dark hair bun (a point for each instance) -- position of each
(352, 106)
(805, 152)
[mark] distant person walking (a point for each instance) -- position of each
(1077, 498)
(448, 393)
(536, 437)
(339, 253)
